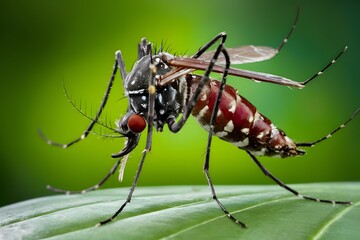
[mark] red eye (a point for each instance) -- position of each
(136, 123)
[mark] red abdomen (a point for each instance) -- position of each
(238, 121)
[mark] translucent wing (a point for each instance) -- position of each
(244, 54)
(188, 65)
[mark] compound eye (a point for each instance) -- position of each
(136, 123)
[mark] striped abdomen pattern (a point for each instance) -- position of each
(239, 122)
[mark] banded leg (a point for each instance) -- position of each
(312, 144)
(326, 67)
(286, 39)
(130, 144)
(118, 63)
(132, 189)
(174, 127)
(221, 35)
(214, 196)
(150, 121)
(92, 188)
(293, 191)
(211, 130)
(293, 26)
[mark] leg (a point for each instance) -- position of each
(180, 71)
(130, 144)
(281, 184)
(132, 189)
(221, 35)
(311, 144)
(326, 67)
(211, 130)
(118, 62)
(177, 126)
(285, 40)
(95, 187)
(214, 196)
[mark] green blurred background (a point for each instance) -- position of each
(44, 43)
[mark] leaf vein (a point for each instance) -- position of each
(335, 218)
(222, 216)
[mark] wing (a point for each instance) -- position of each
(187, 65)
(244, 54)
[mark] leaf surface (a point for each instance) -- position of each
(188, 212)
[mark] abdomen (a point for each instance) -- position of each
(238, 122)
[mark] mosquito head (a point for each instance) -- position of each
(168, 99)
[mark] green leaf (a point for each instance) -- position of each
(188, 212)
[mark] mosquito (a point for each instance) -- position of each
(162, 89)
